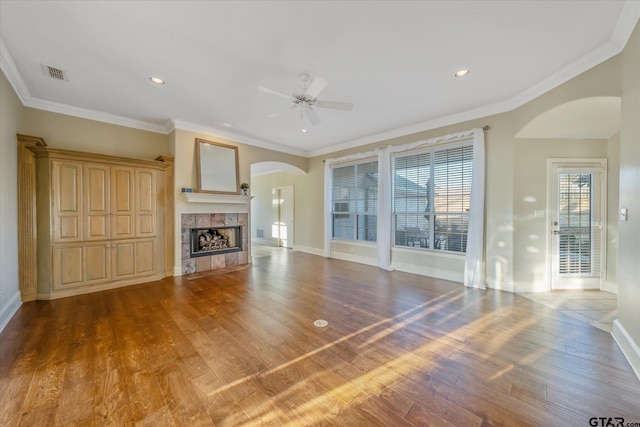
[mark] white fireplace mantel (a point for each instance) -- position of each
(217, 198)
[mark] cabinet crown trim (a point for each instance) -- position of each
(41, 152)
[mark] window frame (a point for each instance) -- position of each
(432, 150)
(356, 214)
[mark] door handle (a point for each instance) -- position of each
(556, 232)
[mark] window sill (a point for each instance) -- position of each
(355, 243)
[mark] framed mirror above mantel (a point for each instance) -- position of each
(217, 165)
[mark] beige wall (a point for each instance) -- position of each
(498, 209)
(10, 120)
(602, 80)
(185, 174)
(73, 133)
(627, 327)
(531, 233)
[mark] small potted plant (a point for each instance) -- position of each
(245, 188)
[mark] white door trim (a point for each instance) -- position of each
(553, 165)
(289, 227)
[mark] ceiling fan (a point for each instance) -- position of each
(307, 98)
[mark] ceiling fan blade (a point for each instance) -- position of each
(317, 85)
(273, 92)
(313, 116)
(336, 105)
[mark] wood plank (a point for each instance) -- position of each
(240, 348)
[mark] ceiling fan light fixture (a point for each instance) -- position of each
(304, 130)
(156, 80)
(461, 73)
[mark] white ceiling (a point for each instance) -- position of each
(394, 60)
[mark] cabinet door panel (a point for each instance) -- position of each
(134, 258)
(122, 202)
(145, 254)
(68, 228)
(67, 266)
(97, 197)
(124, 260)
(66, 188)
(97, 262)
(146, 202)
(81, 265)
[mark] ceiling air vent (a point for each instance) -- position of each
(53, 72)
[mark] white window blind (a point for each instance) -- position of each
(355, 201)
(579, 234)
(432, 194)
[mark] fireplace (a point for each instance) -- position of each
(224, 241)
(215, 240)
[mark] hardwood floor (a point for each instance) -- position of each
(240, 349)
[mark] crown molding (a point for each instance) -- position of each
(219, 133)
(627, 20)
(629, 16)
(579, 66)
(10, 70)
(99, 116)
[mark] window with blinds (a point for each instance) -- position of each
(355, 201)
(579, 237)
(431, 198)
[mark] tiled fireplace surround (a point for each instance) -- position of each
(212, 262)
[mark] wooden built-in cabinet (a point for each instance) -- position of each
(100, 221)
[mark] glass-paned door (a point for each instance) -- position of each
(577, 228)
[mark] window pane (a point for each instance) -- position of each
(451, 232)
(411, 230)
(440, 212)
(412, 179)
(367, 227)
(344, 188)
(575, 228)
(343, 226)
(452, 176)
(367, 182)
(355, 201)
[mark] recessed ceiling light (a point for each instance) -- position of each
(227, 124)
(304, 130)
(156, 80)
(461, 73)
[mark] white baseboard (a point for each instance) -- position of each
(177, 271)
(7, 312)
(308, 250)
(629, 347)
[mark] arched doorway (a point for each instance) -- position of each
(273, 206)
(581, 223)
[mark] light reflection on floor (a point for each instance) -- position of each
(597, 308)
(259, 250)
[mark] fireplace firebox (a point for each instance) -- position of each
(215, 240)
